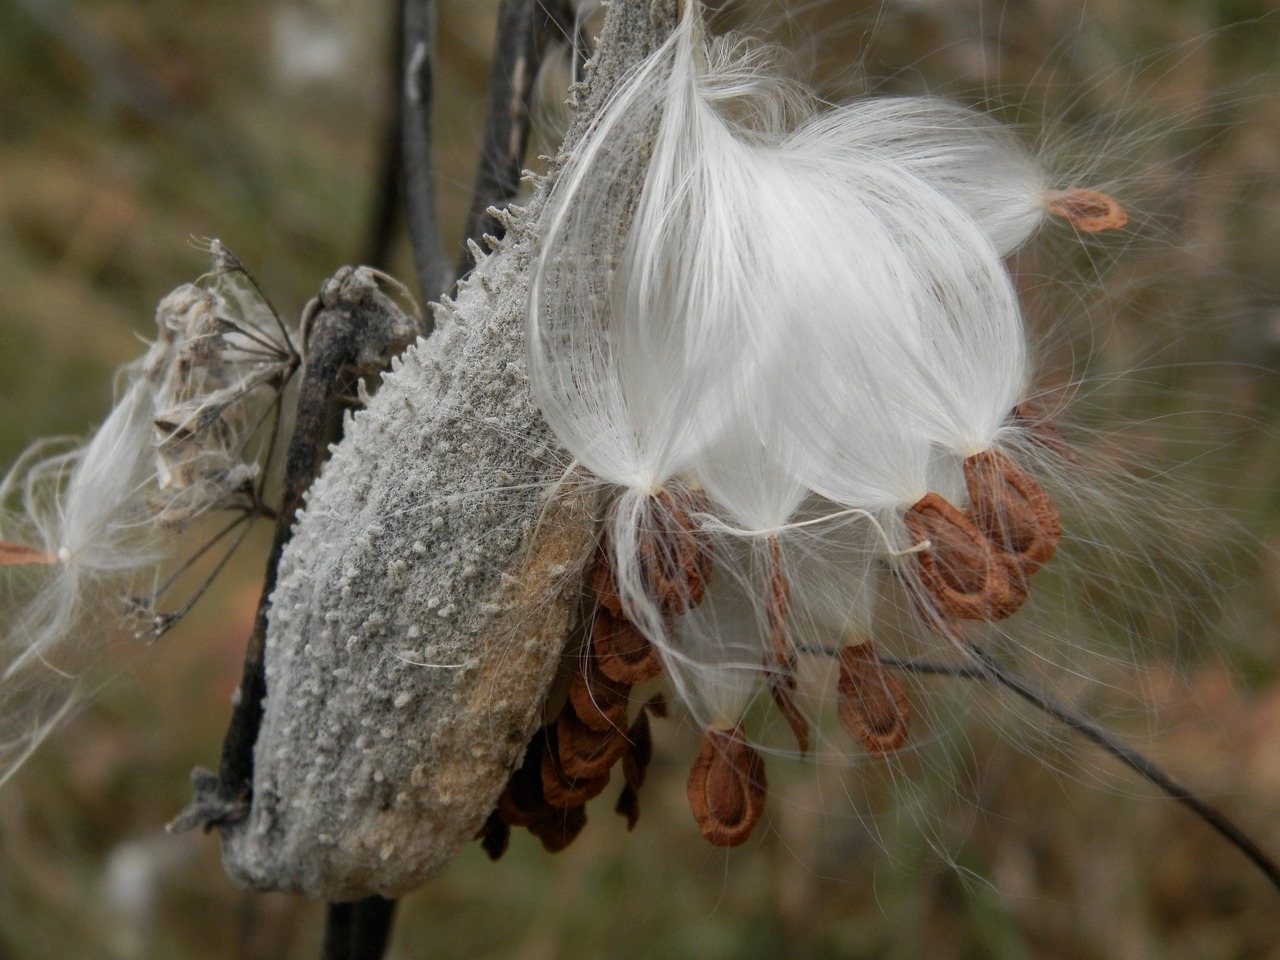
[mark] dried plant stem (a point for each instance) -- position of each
(416, 91)
(358, 930)
(525, 30)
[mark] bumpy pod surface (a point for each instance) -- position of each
(427, 593)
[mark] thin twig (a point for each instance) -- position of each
(989, 668)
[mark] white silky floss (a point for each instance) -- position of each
(805, 303)
(97, 522)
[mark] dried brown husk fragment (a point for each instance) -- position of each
(1089, 211)
(782, 686)
(727, 787)
(961, 569)
(559, 828)
(873, 707)
(522, 801)
(494, 836)
(1012, 509)
(603, 586)
(635, 764)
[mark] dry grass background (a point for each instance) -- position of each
(125, 129)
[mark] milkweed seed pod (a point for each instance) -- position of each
(426, 597)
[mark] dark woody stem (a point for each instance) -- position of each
(525, 30)
(358, 930)
(417, 86)
(334, 343)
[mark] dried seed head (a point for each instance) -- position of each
(561, 789)
(960, 568)
(1012, 510)
(726, 787)
(873, 706)
(1088, 210)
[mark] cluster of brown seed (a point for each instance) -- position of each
(570, 760)
(977, 562)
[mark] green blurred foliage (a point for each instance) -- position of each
(127, 129)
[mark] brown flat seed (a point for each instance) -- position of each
(599, 702)
(726, 787)
(622, 652)
(603, 585)
(873, 707)
(777, 605)
(1088, 210)
(782, 686)
(19, 554)
(586, 754)
(561, 790)
(672, 561)
(962, 570)
(559, 828)
(1012, 510)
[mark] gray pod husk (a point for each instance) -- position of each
(426, 596)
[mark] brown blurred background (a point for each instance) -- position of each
(127, 129)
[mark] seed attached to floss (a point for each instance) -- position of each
(673, 562)
(961, 568)
(1088, 210)
(873, 707)
(20, 555)
(726, 787)
(1012, 510)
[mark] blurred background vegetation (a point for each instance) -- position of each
(127, 129)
